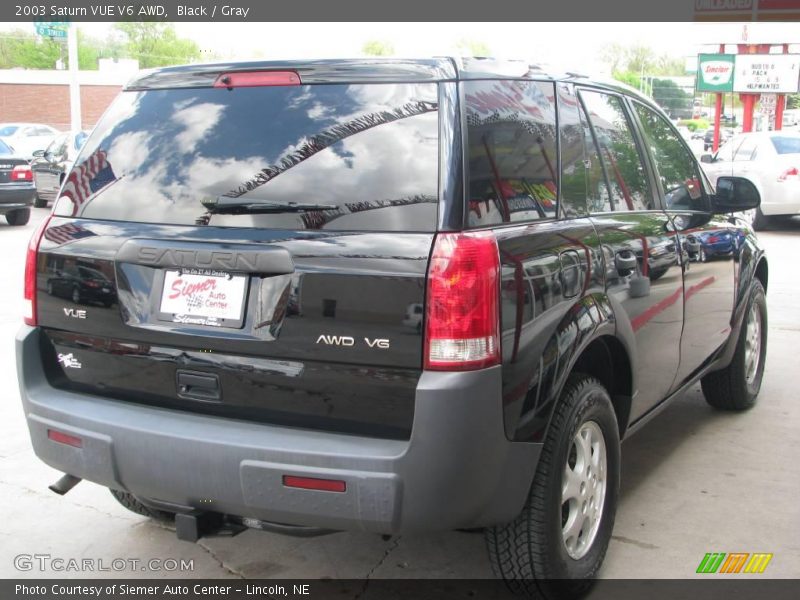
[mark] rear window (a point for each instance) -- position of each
(364, 156)
(786, 145)
(8, 130)
(4, 149)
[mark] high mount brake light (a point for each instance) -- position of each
(239, 79)
(462, 322)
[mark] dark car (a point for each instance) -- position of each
(51, 165)
(16, 187)
(81, 284)
(269, 227)
(708, 138)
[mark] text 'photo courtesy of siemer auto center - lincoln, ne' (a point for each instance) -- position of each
(315, 301)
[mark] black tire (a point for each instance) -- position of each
(39, 202)
(132, 504)
(729, 388)
(529, 553)
(76, 295)
(761, 221)
(18, 217)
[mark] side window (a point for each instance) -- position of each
(747, 149)
(511, 144)
(676, 167)
(621, 159)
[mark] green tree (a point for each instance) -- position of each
(156, 44)
(377, 48)
(793, 101)
(22, 49)
(669, 96)
(628, 77)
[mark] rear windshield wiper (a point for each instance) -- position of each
(224, 205)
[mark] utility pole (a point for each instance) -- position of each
(74, 86)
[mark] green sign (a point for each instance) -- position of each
(715, 72)
(53, 29)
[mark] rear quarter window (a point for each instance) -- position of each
(368, 152)
(512, 151)
(786, 145)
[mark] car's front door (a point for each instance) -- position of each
(710, 243)
(643, 275)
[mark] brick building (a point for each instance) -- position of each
(42, 96)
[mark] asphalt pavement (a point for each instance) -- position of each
(694, 481)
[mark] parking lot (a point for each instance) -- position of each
(693, 481)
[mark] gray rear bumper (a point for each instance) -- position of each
(458, 469)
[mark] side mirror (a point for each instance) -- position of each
(735, 194)
(707, 158)
(38, 153)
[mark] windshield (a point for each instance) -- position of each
(786, 145)
(369, 152)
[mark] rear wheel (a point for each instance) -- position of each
(130, 502)
(736, 386)
(21, 216)
(556, 545)
(39, 202)
(76, 295)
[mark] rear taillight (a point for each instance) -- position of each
(791, 172)
(712, 239)
(256, 79)
(462, 319)
(30, 273)
(21, 173)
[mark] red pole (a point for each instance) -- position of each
(748, 104)
(780, 103)
(717, 111)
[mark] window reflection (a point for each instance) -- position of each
(512, 151)
(370, 150)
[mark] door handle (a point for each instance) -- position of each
(625, 262)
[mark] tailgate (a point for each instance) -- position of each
(321, 334)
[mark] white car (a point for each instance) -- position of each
(27, 138)
(771, 160)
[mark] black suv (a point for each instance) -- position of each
(269, 228)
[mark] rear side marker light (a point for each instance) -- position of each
(31, 259)
(462, 321)
(256, 79)
(21, 173)
(314, 483)
(64, 438)
(791, 172)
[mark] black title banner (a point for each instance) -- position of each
(407, 10)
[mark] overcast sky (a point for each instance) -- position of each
(566, 46)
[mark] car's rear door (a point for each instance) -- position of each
(710, 242)
(643, 273)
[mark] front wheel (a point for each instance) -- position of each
(736, 386)
(555, 547)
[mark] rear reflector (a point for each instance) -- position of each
(313, 483)
(64, 438)
(462, 319)
(31, 258)
(256, 79)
